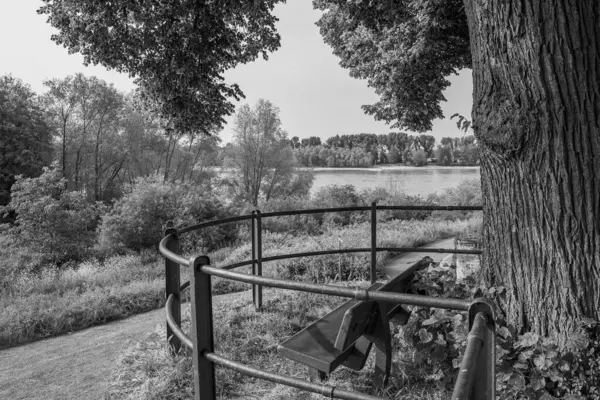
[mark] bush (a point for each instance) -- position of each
(467, 193)
(334, 196)
(419, 158)
(149, 206)
(396, 198)
(51, 220)
(292, 223)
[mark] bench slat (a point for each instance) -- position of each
(314, 345)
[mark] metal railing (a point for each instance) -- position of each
(476, 377)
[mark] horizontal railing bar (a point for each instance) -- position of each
(215, 222)
(239, 264)
(326, 390)
(162, 247)
(468, 365)
(358, 294)
(316, 253)
(352, 250)
(177, 331)
(431, 208)
(314, 211)
(428, 250)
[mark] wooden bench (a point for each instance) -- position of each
(345, 335)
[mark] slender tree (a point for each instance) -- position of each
(261, 154)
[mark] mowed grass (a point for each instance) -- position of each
(56, 301)
(148, 371)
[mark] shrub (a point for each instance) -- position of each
(419, 158)
(334, 196)
(149, 206)
(396, 198)
(467, 193)
(51, 220)
(290, 223)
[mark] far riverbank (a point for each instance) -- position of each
(414, 181)
(379, 168)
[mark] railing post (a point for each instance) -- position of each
(173, 283)
(373, 242)
(202, 329)
(484, 385)
(257, 257)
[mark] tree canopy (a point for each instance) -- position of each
(405, 49)
(24, 135)
(176, 50)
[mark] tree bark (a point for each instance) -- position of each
(536, 114)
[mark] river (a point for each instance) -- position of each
(410, 180)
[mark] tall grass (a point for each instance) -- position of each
(55, 301)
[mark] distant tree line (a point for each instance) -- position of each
(368, 149)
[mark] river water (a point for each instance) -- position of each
(410, 180)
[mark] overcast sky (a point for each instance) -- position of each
(303, 78)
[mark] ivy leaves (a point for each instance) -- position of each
(528, 366)
(177, 50)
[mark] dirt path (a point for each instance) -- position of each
(78, 365)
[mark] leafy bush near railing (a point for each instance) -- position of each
(56, 223)
(139, 219)
(467, 193)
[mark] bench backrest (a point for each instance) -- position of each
(362, 317)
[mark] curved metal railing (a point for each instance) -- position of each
(476, 378)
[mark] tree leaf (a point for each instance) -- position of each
(425, 336)
(504, 332)
(517, 381)
(438, 353)
(538, 383)
(527, 340)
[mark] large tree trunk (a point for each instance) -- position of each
(536, 71)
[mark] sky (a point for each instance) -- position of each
(316, 96)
